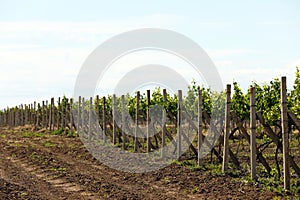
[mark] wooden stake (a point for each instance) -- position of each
(78, 115)
(123, 122)
(136, 146)
(148, 121)
(227, 130)
(253, 133)
(114, 103)
(104, 119)
(90, 119)
(200, 138)
(179, 121)
(163, 134)
(285, 141)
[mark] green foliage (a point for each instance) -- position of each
(268, 100)
(60, 131)
(240, 102)
(294, 96)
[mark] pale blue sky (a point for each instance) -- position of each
(44, 43)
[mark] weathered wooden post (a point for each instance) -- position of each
(47, 115)
(200, 138)
(90, 119)
(82, 116)
(66, 117)
(26, 114)
(78, 115)
(114, 118)
(123, 123)
(43, 114)
(253, 133)
(21, 115)
(148, 121)
(104, 118)
(285, 139)
(227, 130)
(163, 134)
(71, 115)
(136, 146)
(51, 114)
(62, 118)
(37, 116)
(34, 114)
(179, 121)
(58, 114)
(97, 110)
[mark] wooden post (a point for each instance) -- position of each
(136, 147)
(179, 121)
(43, 114)
(34, 113)
(16, 116)
(82, 117)
(62, 113)
(227, 130)
(123, 122)
(66, 118)
(58, 114)
(51, 117)
(104, 119)
(200, 138)
(90, 119)
(148, 121)
(71, 115)
(97, 109)
(78, 115)
(26, 114)
(98, 116)
(37, 116)
(253, 133)
(285, 140)
(46, 115)
(114, 118)
(30, 113)
(21, 115)
(163, 134)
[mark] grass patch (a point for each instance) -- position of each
(32, 134)
(60, 131)
(49, 144)
(17, 145)
(35, 156)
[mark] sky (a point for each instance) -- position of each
(43, 44)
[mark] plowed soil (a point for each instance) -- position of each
(44, 166)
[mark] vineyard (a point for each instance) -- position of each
(254, 151)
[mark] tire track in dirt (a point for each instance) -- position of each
(75, 173)
(17, 175)
(57, 182)
(79, 168)
(98, 177)
(139, 186)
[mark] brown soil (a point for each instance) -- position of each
(46, 166)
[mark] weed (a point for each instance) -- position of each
(35, 156)
(31, 134)
(60, 131)
(195, 189)
(49, 144)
